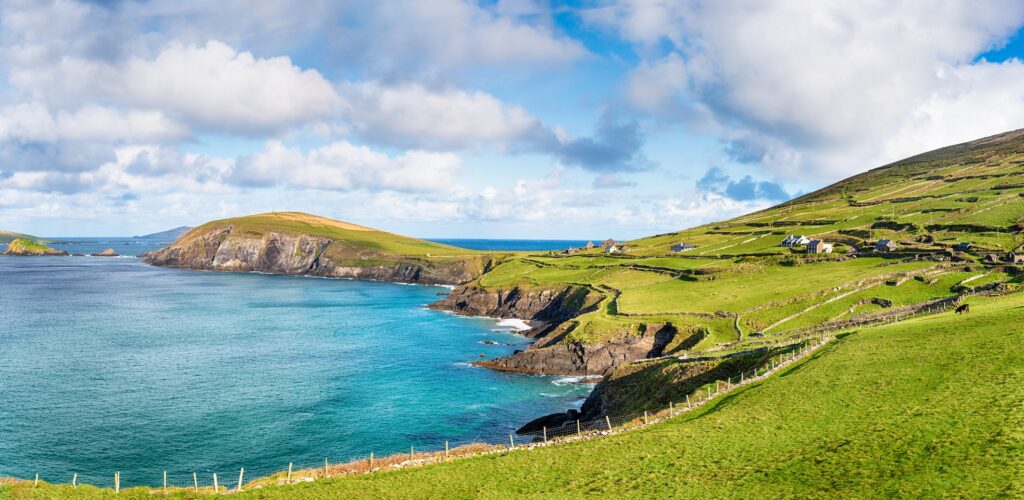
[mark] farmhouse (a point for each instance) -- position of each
(682, 247)
(795, 240)
(819, 246)
(885, 246)
(607, 243)
(1015, 258)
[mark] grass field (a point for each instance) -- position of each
(929, 407)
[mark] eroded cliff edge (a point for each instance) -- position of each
(229, 249)
(551, 312)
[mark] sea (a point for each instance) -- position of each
(111, 365)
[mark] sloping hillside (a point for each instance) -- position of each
(9, 236)
(900, 237)
(298, 243)
(929, 407)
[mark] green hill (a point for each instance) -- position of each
(9, 236)
(925, 408)
(298, 243)
(27, 247)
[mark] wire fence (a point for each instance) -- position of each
(225, 480)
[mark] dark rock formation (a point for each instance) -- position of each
(546, 307)
(107, 253)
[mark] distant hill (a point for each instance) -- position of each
(299, 243)
(9, 236)
(169, 235)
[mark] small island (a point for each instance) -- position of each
(106, 253)
(27, 247)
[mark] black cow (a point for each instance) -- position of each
(966, 308)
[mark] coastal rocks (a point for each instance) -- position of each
(28, 248)
(223, 249)
(106, 253)
(576, 358)
(546, 306)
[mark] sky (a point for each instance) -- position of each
(490, 119)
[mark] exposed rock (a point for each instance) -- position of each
(547, 307)
(575, 358)
(107, 253)
(26, 247)
(222, 249)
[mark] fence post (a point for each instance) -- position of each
(74, 481)
(578, 432)
(445, 448)
(325, 466)
(688, 406)
(165, 481)
(289, 473)
(216, 485)
(511, 442)
(36, 483)
(545, 433)
(709, 392)
(671, 410)
(371, 461)
(241, 472)
(741, 377)
(645, 417)
(117, 482)
(608, 421)
(412, 453)
(195, 481)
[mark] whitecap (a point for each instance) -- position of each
(515, 324)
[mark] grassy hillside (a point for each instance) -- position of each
(929, 407)
(740, 281)
(25, 246)
(297, 223)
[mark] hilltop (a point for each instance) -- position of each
(9, 236)
(27, 247)
(299, 243)
(170, 234)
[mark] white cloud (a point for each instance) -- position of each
(342, 166)
(822, 88)
(411, 114)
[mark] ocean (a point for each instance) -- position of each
(108, 364)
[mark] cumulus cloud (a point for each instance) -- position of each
(715, 180)
(826, 95)
(412, 114)
(343, 166)
(616, 146)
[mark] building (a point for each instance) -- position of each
(885, 246)
(963, 246)
(819, 246)
(590, 245)
(1015, 258)
(795, 240)
(607, 243)
(682, 247)
(611, 249)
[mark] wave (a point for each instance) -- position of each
(515, 324)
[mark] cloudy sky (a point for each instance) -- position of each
(508, 118)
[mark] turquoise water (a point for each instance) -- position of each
(110, 364)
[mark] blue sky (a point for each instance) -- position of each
(504, 118)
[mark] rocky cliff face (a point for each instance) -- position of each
(545, 308)
(223, 249)
(575, 358)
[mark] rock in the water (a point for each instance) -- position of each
(27, 247)
(106, 253)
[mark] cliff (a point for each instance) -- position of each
(26, 247)
(294, 243)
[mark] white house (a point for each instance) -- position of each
(818, 246)
(795, 240)
(682, 247)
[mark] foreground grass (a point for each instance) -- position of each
(930, 407)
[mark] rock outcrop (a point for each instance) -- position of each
(26, 247)
(576, 358)
(544, 307)
(224, 249)
(106, 253)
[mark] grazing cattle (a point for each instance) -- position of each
(966, 308)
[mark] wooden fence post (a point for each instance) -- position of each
(578, 430)
(545, 433)
(445, 448)
(241, 473)
(216, 486)
(688, 402)
(289, 473)
(608, 421)
(511, 442)
(371, 461)
(74, 481)
(36, 483)
(165, 481)
(325, 467)
(671, 410)
(412, 453)
(645, 417)
(195, 481)
(117, 482)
